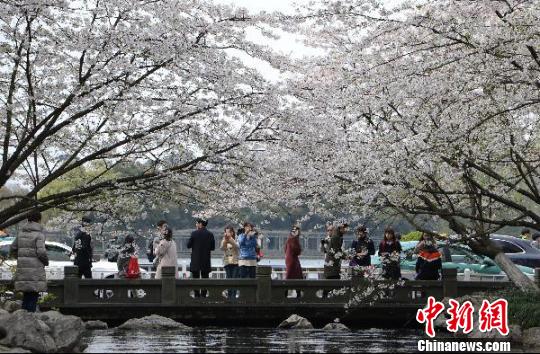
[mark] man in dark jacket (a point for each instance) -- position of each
(83, 248)
(363, 248)
(201, 243)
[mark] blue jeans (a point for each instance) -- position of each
(231, 271)
(29, 302)
(248, 272)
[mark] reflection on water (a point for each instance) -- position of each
(242, 340)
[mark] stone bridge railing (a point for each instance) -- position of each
(260, 301)
(169, 291)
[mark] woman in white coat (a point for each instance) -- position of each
(166, 254)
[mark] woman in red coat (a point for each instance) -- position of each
(293, 270)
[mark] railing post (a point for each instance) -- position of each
(264, 284)
(449, 280)
(168, 285)
(537, 276)
(71, 285)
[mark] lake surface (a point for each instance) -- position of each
(233, 340)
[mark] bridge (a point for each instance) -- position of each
(258, 302)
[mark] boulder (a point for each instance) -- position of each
(531, 338)
(12, 306)
(152, 322)
(4, 315)
(335, 326)
(13, 350)
(67, 331)
(96, 325)
(25, 330)
(42, 332)
(296, 322)
(516, 334)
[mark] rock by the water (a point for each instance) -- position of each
(96, 325)
(67, 331)
(13, 350)
(336, 326)
(296, 322)
(43, 332)
(516, 334)
(152, 322)
(26, 331)
(531, 338)
(12, 306)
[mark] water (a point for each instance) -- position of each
(244, 340)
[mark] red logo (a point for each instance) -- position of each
(494, 316)
(460, 316)
(491, 316)
(429, 314)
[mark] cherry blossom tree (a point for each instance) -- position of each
(90, 88)
(430, 109)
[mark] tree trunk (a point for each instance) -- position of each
(515, 275)
(483, 245)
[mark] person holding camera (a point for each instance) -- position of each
(83, 248)
(334, 254)
(363, 248)
(247, 242)
(161, 231)
(230, 249)
(326, 240)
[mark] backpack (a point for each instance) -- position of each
(133, 270)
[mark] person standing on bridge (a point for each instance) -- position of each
(429, 262)
(247, 241)
(334, 254)
(389, 253)
(166, 253)
(162, 228)
(202, 243)
(83, 248)
(230, 249)
(128, 250)
(29, 249)
(293, 269)
(363, 248)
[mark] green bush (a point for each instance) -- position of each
(523, 308)
(412, 236)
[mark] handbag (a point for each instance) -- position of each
(133, 270)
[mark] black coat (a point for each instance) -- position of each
(201, 243)
(358, 246)
(83, 249)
